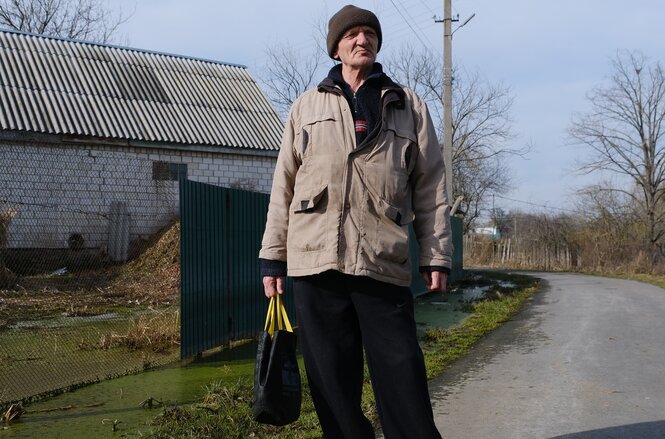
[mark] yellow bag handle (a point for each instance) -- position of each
(280, 324)
(276, 309)
(287, 323)
(270, 322)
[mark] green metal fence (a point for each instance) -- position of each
(221, 289)
(221, 292)
(417, 283)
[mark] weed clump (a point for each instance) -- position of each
(155, 331)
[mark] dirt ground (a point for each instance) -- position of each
(152, 279)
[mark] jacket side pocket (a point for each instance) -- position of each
(391, 234)
(308, 220)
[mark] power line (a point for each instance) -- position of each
(428, 7)
(409, 24)
(536, 204)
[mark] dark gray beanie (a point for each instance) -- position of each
(346, 18)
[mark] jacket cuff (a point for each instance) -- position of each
(431, 268)
(272, 268)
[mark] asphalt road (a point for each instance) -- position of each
(585, 359)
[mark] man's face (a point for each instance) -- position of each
(357, 47)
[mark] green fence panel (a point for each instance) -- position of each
(457, 271)
(203, 304)
(417, 283)
(221, 290)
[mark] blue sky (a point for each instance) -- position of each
(549, 53)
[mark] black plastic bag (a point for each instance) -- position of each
(277, 389)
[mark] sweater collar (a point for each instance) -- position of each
(335, 74)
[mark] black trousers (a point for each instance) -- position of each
(338, 315)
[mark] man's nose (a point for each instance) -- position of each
(361, 38)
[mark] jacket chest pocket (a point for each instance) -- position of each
(315, 145)
(317, 134)
(388, 166)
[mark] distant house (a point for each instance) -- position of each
(491, 232)
(92, 133)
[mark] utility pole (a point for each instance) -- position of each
(448, 91)
(448, 96)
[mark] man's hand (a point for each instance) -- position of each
(273, 285)
(435, 281)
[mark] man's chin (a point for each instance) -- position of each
(365, 60)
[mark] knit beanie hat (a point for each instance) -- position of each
(346, 18)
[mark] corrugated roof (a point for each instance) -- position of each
(57, 86)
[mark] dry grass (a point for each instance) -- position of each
(154, 277)
(155, 330)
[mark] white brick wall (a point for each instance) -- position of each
(59, 190)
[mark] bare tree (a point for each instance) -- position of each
(476, 181)
(88, 20)
(610, 218)
(287, 74)
(421, 72)
(623, 132)
(481, 125)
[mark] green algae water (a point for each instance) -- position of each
(41, 356)
(433, 310)
(93, 411)
(121, 407)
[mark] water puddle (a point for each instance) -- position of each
(445, 311)
(436, 310)
(65, 321)
(474, 294)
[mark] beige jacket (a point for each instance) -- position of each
(335, 207)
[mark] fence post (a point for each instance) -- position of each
(118, 245)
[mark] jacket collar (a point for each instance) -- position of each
(390, 90)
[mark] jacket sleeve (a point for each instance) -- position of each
(273, 246)
(430, 203)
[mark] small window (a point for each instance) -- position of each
(169, 171)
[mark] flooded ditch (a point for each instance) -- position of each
(128, 404)
(41, 356)
(125, 406)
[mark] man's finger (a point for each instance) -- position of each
(427, 279)
(269, 286)
(436, 281)
(443, 282)
(280, 285)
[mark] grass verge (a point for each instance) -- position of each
(442, 346)
(225, 411)
(657, 280)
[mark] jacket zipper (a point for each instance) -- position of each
(341, 240)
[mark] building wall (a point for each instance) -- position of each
(62, 190)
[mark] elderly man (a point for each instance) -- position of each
(359, 162)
